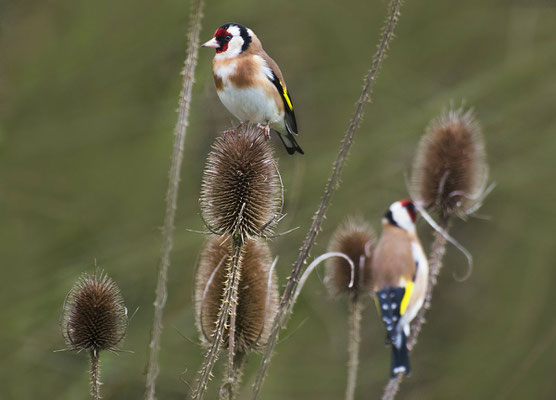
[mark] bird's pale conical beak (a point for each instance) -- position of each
(211, 43)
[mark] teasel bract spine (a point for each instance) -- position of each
(94, 318)
(240, 198)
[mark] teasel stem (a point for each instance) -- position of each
(227, 309)
(438, 249)
(95, 375)
(332, 185)
(230, 387)
(353, 345)
(172, 196)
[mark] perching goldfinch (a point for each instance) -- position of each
(250, 84)
(400, 274)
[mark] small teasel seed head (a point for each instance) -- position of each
(257, 297)
(94, 316)
(240, 193)
(450, 171)
(356, 239)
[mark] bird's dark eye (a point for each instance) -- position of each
(228, 38)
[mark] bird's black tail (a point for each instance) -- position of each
(289, 143)
(400, 356)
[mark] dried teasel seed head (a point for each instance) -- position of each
(94, 316)
(257, 297)
(450, 171)
(240, 193)
(356, 239)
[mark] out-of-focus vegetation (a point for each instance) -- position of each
(88, 92)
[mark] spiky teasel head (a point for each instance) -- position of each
(240, 193)
(257, 297)
(356, 239)
(94, 316)
(450, 171)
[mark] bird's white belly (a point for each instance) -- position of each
(250, 104)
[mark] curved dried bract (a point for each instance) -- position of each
(257, 297)
(450, 171)
(356, 239)
(94, 316)
(240, 193)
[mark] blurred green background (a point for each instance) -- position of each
(88, 93)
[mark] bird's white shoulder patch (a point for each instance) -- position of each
(266, 69)
(419, 257)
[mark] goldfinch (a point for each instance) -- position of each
(400, 274)
(250, 84)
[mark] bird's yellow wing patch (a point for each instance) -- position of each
(406, 296)
(285, 93)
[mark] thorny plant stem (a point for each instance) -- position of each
(233, 273)
(95, 375)
(332, 185)
(438, 249)
(353, 345)
(172, 196)
(230, 386)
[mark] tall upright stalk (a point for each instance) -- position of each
(172, 196)
(331, 187)
(353, 345)
(95, 375)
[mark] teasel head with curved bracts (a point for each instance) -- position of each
(241, 189)
(356, 239)
(94, 316)
(450, 172)
(257, 295)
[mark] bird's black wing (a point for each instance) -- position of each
(291, 124)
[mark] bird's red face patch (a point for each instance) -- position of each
(410, 207)
(223, 37)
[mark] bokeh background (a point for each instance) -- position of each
(88, 93)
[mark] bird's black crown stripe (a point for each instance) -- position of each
(245, 36)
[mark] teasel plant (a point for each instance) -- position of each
(289, 294)
(180, 130)
(94, 319)
(256, 305)
(356, 239)
(449, 181)
(348, 272)
(241, 198)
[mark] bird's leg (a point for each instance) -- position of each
(233, 130)
(265, 129)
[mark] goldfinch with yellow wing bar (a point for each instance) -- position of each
(400, 274)
(250, 84)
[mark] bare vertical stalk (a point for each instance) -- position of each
(331, 187)
(95, 375)
(353, 345)
(230, 387)
(233, 274)
(172, 196)
(438, 249)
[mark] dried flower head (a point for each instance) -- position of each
(94, 316)
(450, 171)
(257, 297)
(356, 239)
(240, 193)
